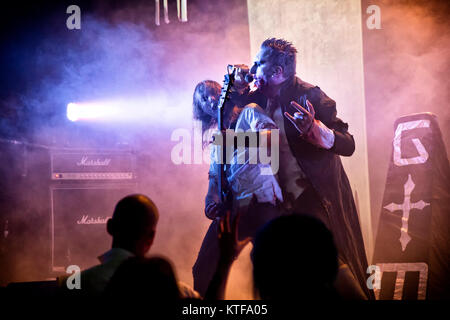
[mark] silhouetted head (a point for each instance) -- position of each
(152, 279)
(133, 224)
(274, 63)
(294, 257)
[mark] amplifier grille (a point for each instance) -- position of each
(78, 222)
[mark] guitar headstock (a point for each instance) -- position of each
(227, 84)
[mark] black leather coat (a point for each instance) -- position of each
(325, 171)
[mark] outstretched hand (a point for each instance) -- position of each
(229, 244)
(302, 119)
(230, 248)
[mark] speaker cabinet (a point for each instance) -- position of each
(78, 222)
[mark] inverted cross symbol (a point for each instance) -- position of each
(406, 207)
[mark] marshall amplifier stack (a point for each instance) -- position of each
(85, 187)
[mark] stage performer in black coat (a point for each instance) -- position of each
(310, 172)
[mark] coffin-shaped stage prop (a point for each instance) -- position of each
(412, 248)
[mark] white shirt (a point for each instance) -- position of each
(292, 178)
(245, 179)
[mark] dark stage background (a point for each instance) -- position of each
(120, 54)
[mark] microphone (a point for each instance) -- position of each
(248, 77)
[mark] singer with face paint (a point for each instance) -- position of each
(311, 174)
(256, 196)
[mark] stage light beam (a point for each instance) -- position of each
(91, 111)
(152, 108)
(72, 113)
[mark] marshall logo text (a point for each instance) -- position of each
(85, 161)
(85, 219)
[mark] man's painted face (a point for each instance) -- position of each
(263, 69)
(209, 99)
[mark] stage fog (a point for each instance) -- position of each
(129, 72)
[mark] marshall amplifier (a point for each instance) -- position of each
(78, 222)
(86, 185)
(90, 165)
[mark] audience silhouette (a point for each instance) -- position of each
(152, 279)
(133, 229)
(294, 257)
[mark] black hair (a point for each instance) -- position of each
(206, 119)
(282, 53)
(294, 256)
